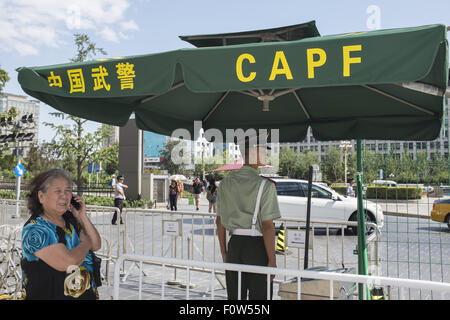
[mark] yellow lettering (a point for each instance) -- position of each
(279, 57)
(54, 81)
(76, 80)
(239, 73)
(126, 75)
(347, 60)
(315, 63)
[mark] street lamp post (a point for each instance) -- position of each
(18, 134)
(345, 146)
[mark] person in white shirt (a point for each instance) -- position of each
(350, 191)
(119, 197)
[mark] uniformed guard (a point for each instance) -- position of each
(246, 206)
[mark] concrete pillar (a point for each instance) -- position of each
(130, 158)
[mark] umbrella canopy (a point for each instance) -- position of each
(384, 84)
(287, 33)
(236, 165)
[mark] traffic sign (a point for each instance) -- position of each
(19, 170)
(90, 168)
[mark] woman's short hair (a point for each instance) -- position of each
(41, 183)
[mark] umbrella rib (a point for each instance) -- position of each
(422, 87)
(176, 86)
(301, 104)
(398, 99)
(250, 93)
(213, 109)
(283, 92)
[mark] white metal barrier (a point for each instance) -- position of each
(10, 254)
(193, 235)
(443, 289)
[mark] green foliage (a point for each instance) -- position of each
(430, 171)
(139, 204)
(4, 78)
(10, 194)
(296, 165)
(77, 149)
(385, 193)
(85, 48)
(340, 189)
(99, 201)
(332, 167)
(393, 193)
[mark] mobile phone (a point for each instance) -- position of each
(75, 204)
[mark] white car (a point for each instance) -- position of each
(326, 204)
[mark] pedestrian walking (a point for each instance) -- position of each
(197, 190)
(211, 196)
(112, 181)
(173, 195)
(119, 198)
(180, 188)
(350, 191)
(246, 207)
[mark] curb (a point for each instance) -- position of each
(407, 215)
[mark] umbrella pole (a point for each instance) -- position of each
(362, 246)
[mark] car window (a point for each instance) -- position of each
(289, 189)
(316, 192)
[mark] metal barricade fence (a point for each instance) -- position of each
(441, 290)
(10, 255)
(193, 235)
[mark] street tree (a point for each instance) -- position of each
(76, 148)
(72, 143)
(332, 166)
(288, 159)
(4, 78)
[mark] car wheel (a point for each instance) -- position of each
(369, 217)
(447, 219)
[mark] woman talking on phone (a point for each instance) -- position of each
(58, 241)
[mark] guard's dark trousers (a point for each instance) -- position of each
(118, 203)
(247, 250)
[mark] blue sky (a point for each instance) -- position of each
(34, 33)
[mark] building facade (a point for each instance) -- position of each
(24, 107)
(437, 147)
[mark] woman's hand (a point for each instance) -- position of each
(79, 214)
(88, 228)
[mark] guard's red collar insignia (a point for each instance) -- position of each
(269, 179)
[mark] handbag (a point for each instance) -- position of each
(97, 263)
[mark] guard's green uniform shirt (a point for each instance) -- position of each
(236, 200)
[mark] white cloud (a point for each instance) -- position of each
(109, 34)
(129, 25)
(28, 25)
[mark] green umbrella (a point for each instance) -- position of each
(385, 84)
